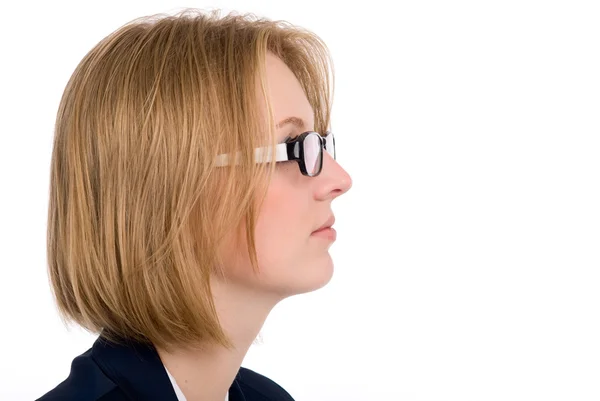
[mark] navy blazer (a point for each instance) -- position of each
(134, 372)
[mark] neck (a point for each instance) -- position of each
(207, 374)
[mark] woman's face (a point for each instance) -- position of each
(292, 259)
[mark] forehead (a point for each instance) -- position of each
(287, 96)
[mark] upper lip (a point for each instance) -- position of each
(327, 224)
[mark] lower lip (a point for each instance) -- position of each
(327, 233)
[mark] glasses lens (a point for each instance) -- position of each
(330, 144)
(312, 153)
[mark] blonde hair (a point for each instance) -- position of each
(138, 208)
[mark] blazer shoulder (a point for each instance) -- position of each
(258, 387)
(86, 382)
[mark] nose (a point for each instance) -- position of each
(333, 180)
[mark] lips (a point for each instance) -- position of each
(327, 224)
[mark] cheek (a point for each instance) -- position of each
(282, 224)
(282, 233)
(279, 212)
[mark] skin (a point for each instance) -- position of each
(291, 260)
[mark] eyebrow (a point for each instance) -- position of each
(296, 121)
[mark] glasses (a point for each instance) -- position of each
(306, 149)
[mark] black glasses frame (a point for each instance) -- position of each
(296, 150)
(290, 150)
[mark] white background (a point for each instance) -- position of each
(468, 252)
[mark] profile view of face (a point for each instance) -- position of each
(292, 258)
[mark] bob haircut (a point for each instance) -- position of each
(138, 208)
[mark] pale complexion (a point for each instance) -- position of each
(291, 259)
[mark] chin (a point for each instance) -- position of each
(309, 277)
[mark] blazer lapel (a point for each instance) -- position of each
(136, 368)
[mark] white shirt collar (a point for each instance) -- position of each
(179, 393)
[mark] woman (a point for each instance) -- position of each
(191, 186)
